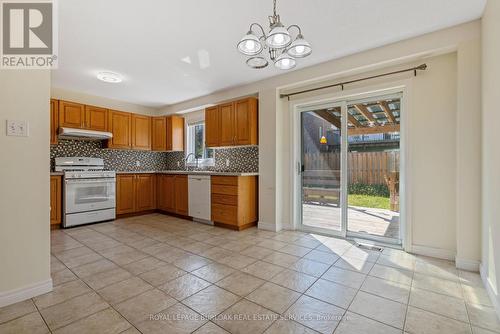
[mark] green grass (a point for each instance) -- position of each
(369, 201)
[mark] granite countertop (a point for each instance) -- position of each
(56, 173)
(184, 172)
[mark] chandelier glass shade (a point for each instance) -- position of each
(283, 49)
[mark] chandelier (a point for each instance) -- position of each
(283, 52)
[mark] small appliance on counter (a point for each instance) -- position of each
(89, 191)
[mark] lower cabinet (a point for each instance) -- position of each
(55, 201)
(172, 194)
(233, 198)
(135, 193)
(181, 195)
(165, 189)
(234, 201)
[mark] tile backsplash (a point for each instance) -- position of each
(240, 159)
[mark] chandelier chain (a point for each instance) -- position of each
(274, 7)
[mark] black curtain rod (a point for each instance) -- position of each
(422, 67)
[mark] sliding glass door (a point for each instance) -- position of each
(349, 168)
(321, 168)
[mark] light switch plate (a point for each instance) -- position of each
(17, 128)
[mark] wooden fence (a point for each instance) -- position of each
(363, 167)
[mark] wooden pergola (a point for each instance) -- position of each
(366, 118)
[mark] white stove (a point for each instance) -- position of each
(89, 190)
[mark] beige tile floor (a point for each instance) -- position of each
(159, 274)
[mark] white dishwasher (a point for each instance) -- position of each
(199, 197)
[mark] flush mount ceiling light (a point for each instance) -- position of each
(110, 77)
(283, 49)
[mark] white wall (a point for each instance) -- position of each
(491, 158)
(24, 191)
(438, 236)
(63, 94)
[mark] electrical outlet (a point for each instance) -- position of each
(227, 162)
(17, 128)
(138, 163)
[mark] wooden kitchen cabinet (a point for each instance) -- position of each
(233, 123)
(166, 192)
(141, 132)
(226, 124)
(245, 121)
(55, 202)
(145, 192)
(54, 121)
(96, 118)
(125, 194)
(120, 124)
(159, 133)
(181, 195)
(80, 116)
(71, 115)
(135, 193)
(212, 134)
(234, 201)
(167, 133)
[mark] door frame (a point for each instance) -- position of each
(348, 96)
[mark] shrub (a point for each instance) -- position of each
(368, 189)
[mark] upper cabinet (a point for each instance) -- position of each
(54, 121)
(71, 115)
(80, 116)
(120, 124)
(227, 128)
(212, 134)
(141, 132)
(96, 118)
(130, 131)
(245, 120)
(231, 124)
(167, 133)
(159, 134)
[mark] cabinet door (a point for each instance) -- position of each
(96, 118)
(160, 192)
(169, 133)
(226, 128)
(55, 201)
(245, 121)
(159, 134)
(120, 125)
(145, 192)
(212, 135)
(125, 193)
(141, 132)
(54, 121)
(175, 133)
(71, 115)
(170, 193)
(181, 195)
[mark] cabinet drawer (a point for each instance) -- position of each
(225, 180)
(224, 190)
(224, 199)
(227, 214)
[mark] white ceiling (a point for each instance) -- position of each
(147, 40)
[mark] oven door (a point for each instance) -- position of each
(82, 195)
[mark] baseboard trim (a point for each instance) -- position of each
(267, 227)
(27, 292)
(494, 297)
(466, 264)
(439, 253)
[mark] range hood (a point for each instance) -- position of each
(70, 133)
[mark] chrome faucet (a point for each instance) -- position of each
(195, 158)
